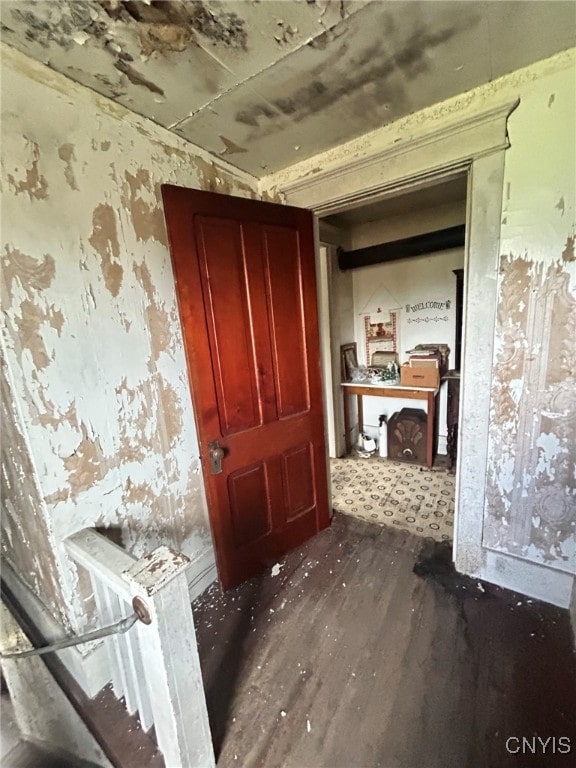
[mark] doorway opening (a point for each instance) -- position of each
(393, 306)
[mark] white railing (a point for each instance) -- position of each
(155, 665)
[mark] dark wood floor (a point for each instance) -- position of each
(349, 659)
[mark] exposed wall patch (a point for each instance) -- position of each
(216, 179)
(66, 154)
(143, 408)
(32, 274)
(137, 493)
(31, 320)
(33, 183)
(568, 252)
(158, 318)
(104, 240)
(146, 214)
(172, 411)
(87, 465)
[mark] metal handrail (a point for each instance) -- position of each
(120, 627)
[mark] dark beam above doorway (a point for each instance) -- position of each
(419, 245)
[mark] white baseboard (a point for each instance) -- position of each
(201, 573)
(531, 579)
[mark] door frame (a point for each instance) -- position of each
(325, 324)
(475, 145)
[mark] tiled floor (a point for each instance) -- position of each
(406, 496)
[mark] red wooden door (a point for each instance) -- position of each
(246, 285)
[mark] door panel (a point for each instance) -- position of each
(250, 504)
(245, 279)
(284, 273)
(229, 324)
(298, 470)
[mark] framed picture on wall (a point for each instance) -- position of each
(381, 326)
(349, 360)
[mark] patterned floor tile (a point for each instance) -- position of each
(407, 496)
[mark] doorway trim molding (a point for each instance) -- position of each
(417, 161)
(476, 145)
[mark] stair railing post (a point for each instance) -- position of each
(170, 658)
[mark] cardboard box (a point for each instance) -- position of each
(440, 351)
(419, 376)
(425, 362)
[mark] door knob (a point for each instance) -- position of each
(216, 454)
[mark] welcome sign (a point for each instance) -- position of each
(432, 308)
(424, 305)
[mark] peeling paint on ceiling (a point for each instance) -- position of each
(242, 73)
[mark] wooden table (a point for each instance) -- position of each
(397, 390)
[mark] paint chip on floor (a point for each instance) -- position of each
(308, 726)
(276, 569)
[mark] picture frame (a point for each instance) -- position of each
(348, 360)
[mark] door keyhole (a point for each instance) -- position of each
(216, 453)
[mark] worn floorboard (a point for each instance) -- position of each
(348, 659)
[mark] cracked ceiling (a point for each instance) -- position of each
(267, 83)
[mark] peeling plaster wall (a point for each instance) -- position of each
(531, 498)
(91, 335)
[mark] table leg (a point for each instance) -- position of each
(360, 415)
(431, 426)
(345, 397)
